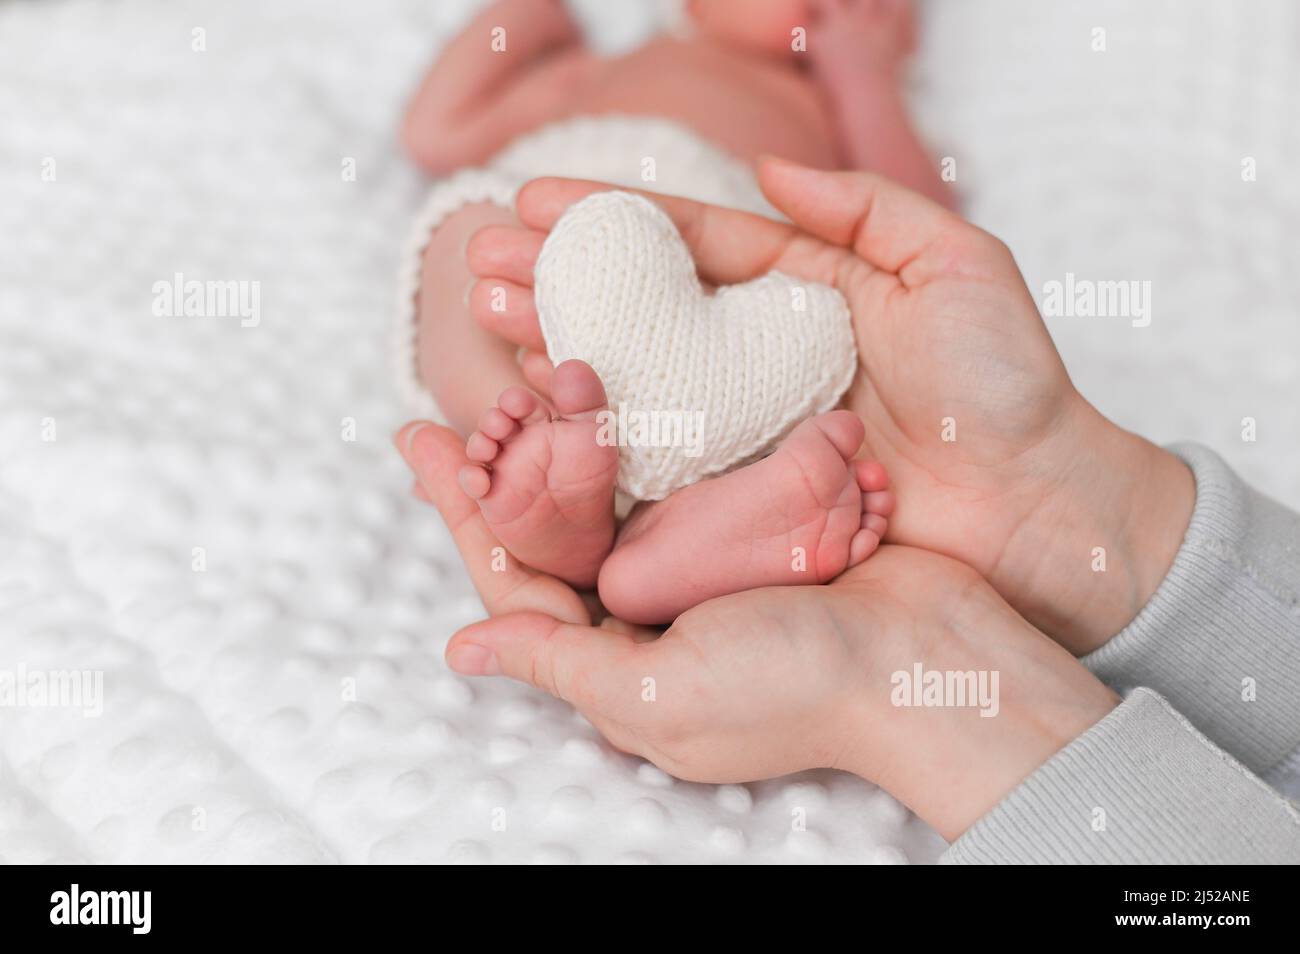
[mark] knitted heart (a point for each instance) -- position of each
(698, 383)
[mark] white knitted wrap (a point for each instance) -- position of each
(702, 383)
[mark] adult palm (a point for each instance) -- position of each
(964, 397)
(771, 681)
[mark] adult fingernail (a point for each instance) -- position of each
(410, 439)
(771, 159)
(471, 660)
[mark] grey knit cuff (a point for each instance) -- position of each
(1142, 786)
(1220, 639)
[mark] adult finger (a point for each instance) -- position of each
(887, 225)
(435, 454)
(537, 369)
(504, 251)
(728, 245)
(593, 668)
(507, 310)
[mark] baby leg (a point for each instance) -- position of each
(801, 516)
(462, 364)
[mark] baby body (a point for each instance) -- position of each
(814, 81)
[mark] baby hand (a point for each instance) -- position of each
(849, 37)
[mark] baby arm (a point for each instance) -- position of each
(468, 105)
(857, 49)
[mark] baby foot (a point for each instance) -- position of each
(801, 516)
(547, 490)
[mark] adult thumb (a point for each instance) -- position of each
(884, 223)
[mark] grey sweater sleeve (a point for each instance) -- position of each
(1220, 639)
(1142, 786)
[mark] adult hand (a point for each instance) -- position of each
(996, 459)
(772, 681)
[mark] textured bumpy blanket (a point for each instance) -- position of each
(221, 616)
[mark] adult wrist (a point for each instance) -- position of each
(1110, 523)
(952, 763)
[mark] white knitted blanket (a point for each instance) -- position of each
(228, 731)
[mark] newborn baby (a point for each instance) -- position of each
(516, 96)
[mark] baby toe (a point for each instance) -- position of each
(577, 390)
(481, 448)
(879, 501)
(496, 424)
(871, 475)
(843, 429)
(521, 404)
(864, 543)
(875, 523)
(474, 481)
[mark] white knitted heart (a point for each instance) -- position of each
(700, 383)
